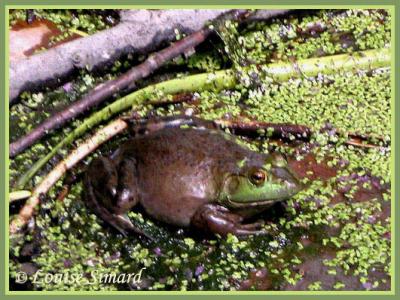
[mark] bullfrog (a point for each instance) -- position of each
(185, 173)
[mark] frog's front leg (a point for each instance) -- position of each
(111, 191)
(218, 219)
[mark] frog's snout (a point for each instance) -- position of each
(292, 183)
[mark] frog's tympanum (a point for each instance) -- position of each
(188, 177)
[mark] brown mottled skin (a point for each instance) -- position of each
(177, 175)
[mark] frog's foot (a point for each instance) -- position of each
(218, 219)
(101, 181)
(118, 221)
(125, 226)
(122, 224)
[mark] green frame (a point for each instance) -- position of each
(4, 176)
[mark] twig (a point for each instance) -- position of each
(107, 89)
(282, 130)
(363, 141)
(77, 155)
(298, 131)
(19, 195)
(357, 143)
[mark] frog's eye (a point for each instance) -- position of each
(258, 176)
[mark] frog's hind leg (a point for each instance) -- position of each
(127, 190)
(111, 193)
(119, 222)
(101, 181)
(92, 201)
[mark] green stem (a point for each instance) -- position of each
(365, 60)
(226, 79)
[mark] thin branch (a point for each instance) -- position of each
(281, 130)
(19, 195)
(363, 141)
(298, 131)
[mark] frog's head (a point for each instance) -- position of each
(259, 184)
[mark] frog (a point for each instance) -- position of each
(187, 173)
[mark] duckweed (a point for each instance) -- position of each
(329, 216)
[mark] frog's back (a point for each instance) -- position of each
(181, 169)
(194, 148)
